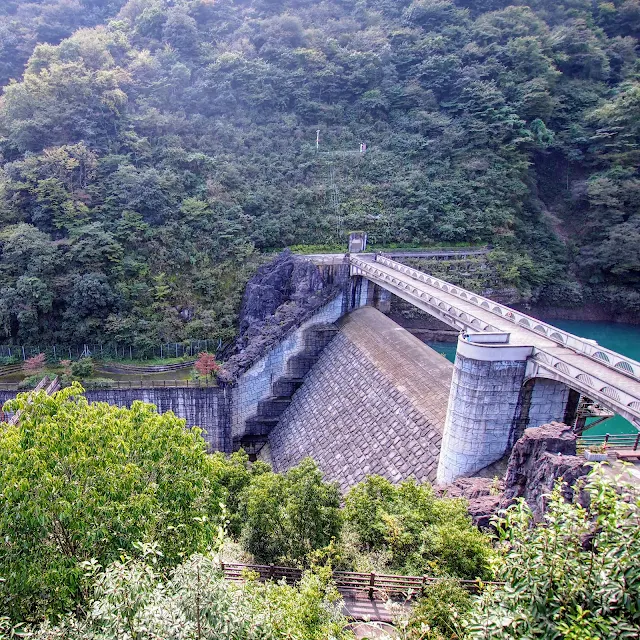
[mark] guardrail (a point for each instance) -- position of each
(606, 357)
(373, 584)
(128, 384)
(150, 369)
(613, 441)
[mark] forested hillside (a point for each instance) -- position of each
(147, 161)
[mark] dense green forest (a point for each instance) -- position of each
(149, 160)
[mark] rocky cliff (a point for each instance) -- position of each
(541, 456)
(279, 298)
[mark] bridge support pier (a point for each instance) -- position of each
(484, 403)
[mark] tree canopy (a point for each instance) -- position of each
(82, 481)
(147, 160)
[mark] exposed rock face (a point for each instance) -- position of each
(282, 295)
(482, 494)
(538, 459)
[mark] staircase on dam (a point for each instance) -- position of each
(259, 425)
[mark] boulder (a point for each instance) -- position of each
(541, 456)
(482, 494)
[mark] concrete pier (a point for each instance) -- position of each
(485, 391)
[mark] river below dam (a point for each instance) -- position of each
(623, 338)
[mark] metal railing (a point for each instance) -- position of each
(189, 348)
(373, 584)
(613, 441)
(604, 356)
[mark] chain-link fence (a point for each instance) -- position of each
(112, 351)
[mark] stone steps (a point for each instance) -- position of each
(258, 426)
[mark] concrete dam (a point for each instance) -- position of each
(322, 372)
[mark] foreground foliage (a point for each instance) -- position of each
(574, 576)
(82, 481)
(132, 599)
(409, 530)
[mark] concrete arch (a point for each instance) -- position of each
(611, 393)
(599, 355)
(556, 336)
(585, 379)
(624, 366)
(540, 329)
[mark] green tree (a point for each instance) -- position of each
(573, 576)
(81, 481)
(418, 532)
(287, 516)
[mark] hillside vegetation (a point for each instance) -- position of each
(147, 161)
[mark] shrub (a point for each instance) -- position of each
(575, 575)
(7, 360)
(82, 368)
(132, 599)
(81, 481)
(206, 364)
(287, 516)
(36, 363)
(31, 382)
(439, 614)
(419, 532)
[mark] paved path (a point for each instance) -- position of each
(364, 609)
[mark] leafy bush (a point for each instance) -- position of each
(234, 474)
(440, 613)
(575, 575)
(420, 532)
(287, 516)
(7, 360)
(132, 599)
(31, 382)
(36, 363)
(81, 481)
(82, 368)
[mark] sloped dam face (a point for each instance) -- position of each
(373, 400)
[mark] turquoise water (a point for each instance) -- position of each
(623, 338)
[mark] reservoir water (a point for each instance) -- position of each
(623, 338)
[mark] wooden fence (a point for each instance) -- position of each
(375, 585)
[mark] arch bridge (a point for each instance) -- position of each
(511, 370)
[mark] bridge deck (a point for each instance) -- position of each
(621, 391)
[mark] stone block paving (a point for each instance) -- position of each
(374, 403)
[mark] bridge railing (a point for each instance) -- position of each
(614, 441)
(348, 581)
(602, 355)
(463, 320)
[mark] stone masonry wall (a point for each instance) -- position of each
(548, 402)
(481, 415)
(254, 384)
(199, 407)
(374, 403)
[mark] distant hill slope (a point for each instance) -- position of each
(144, 161)
(23, 25)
